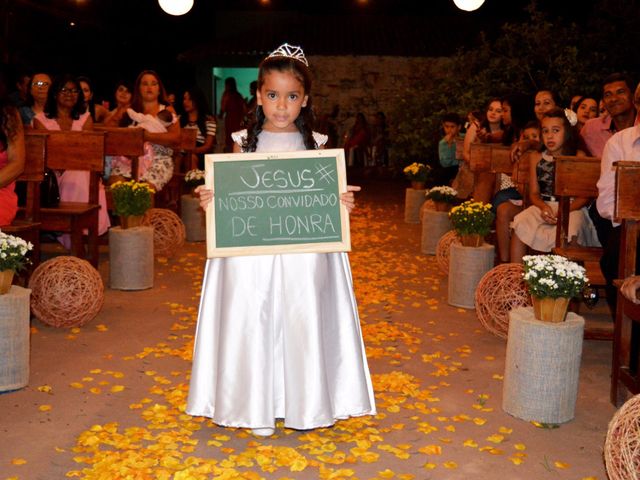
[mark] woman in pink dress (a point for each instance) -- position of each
(65, 110)
(11, 159)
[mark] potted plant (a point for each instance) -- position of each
(442, 197)
(472, 222)
(417, 174)
(552, 281)
(13, 257)
(193, 178)
(131, 200)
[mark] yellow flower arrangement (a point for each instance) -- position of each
(417, 172)
(131, 198)
(472, 218)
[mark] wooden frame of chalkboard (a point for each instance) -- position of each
(281, 202)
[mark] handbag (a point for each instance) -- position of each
(49, 191)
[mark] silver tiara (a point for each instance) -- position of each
(289, 51)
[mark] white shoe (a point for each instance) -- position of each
(263, 432)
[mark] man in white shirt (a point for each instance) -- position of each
(623, 145)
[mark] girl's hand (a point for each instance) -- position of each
(205, 195)
(548, 215)
(348, 198)
(630, 288)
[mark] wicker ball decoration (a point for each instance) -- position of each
(499, 291)
(168, 231)
(443, 249)
(427, 205)
(66, 292)
(622, 445)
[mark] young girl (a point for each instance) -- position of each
(536, 226)
(278, 336)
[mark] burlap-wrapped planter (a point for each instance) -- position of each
(193, 218)
(467, 266)
(413, 200)
(542, 367)
(434, 226)
(14, 339)
(131, 258)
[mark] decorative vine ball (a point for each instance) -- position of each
(427, 205)
(622, 445)
(499, 291)
(443, 248)
(66, 292)
(168, 231)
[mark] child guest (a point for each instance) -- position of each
(279, 336)
(536, 226)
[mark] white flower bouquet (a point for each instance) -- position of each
(553, 276)
(13, 252)
(442, 194)
(194, 177)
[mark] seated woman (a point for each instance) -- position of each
(156, 166)
(535, 227)
(11, 157)
(489, 130)
(98, 112)
(65, 110)
(36, 98)
(197, 116)
(586, 108)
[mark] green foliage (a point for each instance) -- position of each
(131, 198)
(471, 217)
(524, 57)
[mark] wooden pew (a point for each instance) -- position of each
(27, 223)
(625, 377)
(76, 151)
(484, 156)
(577, 177)
(169, 196)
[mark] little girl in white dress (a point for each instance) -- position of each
(279, 336)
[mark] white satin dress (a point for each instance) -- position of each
(279, 336)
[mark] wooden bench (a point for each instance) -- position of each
(27, 223)
(577, 177)
(625, 377)
(484, 160)
(169, 196)
(76, 151)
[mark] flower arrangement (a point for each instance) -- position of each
(442, 194)
(131, 198)
(553, 276)
(194, 177)
(472, 218)
(13, 252)
(417, 172)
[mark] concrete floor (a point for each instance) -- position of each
(118, 386)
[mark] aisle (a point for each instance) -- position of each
(106, 401)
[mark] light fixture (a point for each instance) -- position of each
(468, 5)
(176, 7)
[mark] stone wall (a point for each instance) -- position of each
(367, 84)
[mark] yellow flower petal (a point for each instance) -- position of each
(18, 461)
(44, 408)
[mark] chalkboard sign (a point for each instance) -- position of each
(269, 203)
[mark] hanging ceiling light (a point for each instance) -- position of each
(468, 5)
(176, 7)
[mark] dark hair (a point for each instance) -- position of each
(8, 113)
(570, 142)
(122, 83)
(91, 105)
(201, 106)
(451, 117)
(531, 124)
(553, 94)
(51, 106)
(521, 113)
(618, 77)
(136, 100)
(305, 120)
(484, 121)
(230, 84)
(30, 101)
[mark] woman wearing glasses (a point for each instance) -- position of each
(36, 98)
(65, 110)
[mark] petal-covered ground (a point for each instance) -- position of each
(106, 401)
